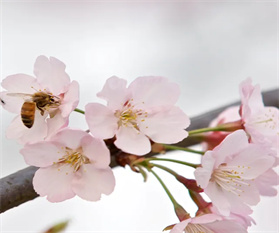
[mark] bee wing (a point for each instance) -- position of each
(25, 96)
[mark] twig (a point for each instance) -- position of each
(17, 188)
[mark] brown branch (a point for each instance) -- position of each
(17, 188)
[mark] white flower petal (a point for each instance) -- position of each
(70, 138)
(231, 145)
(55, 123)
(20, 83)
(90, 183)
(16, 130)
(166, 126)
(115, 92)
(132, 141)
(154, 91)
(42, 154)
(70, 100)
(203, 174)
(101, 120)
(51, 74)
(95, 149)
(54, 182)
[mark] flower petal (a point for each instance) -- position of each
(252, 162)
(95, 149)
(11, 103)
(101, 120)
(132, 141)
(70, 100)
(231, 145)
(16, 130)
(265, 182)
(154, 91)
(115, 92)
(203, 174)
(54, 124)
(251, 98)
(42, 154)
(20, 83)
(90, 183)
(226, 226)
(166, 126)
(51, 74)
(218, 198)
(70, 138)
(180, 227)
(54, 182)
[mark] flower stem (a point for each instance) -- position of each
(181, 213)
(174, 161)
(175, 204)
(165, 169)
(229, 127)
(79, 110)
(170, 147)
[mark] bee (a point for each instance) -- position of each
(2, 101)
(39, 100)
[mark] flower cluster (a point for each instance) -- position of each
(237, 166)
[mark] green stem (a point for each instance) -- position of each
(170, 147)
(174, 161)
(228, 127)
(175, 204)
(79, 110)
(165, 169)
(204, 130)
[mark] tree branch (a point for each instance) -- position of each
(17, 188)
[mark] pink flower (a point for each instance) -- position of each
(263, 131)
(208, 223)
(260, 122)
(51, 94)
(240, 215)
(228, 172)
(71, 163)
(143, 111)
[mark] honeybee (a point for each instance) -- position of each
(40, 100)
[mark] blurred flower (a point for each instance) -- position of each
(145, 110)
(71, 163)
(228, 172)
(55, 97)
(59, 227)
(208, 223)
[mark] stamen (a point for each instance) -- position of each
(75, 158)
(197, 228)
(129, 116)
(230, 178)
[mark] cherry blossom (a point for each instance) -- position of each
(229, 171)
(239, 214)
(56, 98)
(143, 111)
(208, 223)
(71, 163)
(263, 131)
(260, 122)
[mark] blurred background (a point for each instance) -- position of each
(208, 48)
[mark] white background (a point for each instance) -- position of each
(206, 47)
